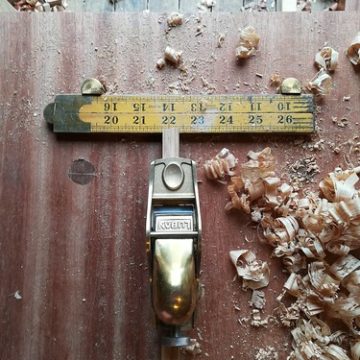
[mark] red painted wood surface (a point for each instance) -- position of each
(76, 253)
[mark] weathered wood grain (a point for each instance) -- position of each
(352, 5)
(76, 253)
(5, 6)
(233, 6)
(163, 6)
(131, 5)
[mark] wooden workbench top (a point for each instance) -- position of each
(76, 252)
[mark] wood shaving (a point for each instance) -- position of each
(353, 52)
(172, 56)
(267, 353)
(344, 266)
(256, 319)
(251, 185)
(194, 348)
(341, 123)
(321, 83)
(255, 273)
(210, 88)
(355, 350)
(248, 43)
(303, 170)
(206, 5)
(327, 59)
(220, 166)
(339, 185)
(221, 40)
(160, 64)
(313, 340)
(175, 19)
(275, 80)
(316, 235)
(258, 299)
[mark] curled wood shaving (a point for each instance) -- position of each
(255, 273)
(248, 43)
(238, 201)
(347, 308)
(344, 266)
(353, 52)
(220, 166)
(172, 56)
(352, 282)
(321, 83)
(313, 340)
(322, 281)
(355, 350)
(327, 59)
(261, 165)
(175, 19)
(281, 230)
(339, 185)
(294, 262)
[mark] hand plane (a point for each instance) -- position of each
(173, 232)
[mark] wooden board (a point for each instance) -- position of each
(75, 251)
(131, 5)
(352, 5)
(90, 6)
(5, 6)
(163, 6)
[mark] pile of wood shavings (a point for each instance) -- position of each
(316, 236)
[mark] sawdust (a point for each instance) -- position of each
(303, 171)
(267, 353)
(340, 122)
